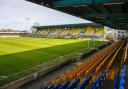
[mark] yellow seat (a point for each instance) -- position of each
(89, 31)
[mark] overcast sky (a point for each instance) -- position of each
(21, 14)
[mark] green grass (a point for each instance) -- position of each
(19, 54)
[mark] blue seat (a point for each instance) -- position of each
(122, 81)
(58, 86)
(85, 82)
(121, 87)
(74, 84)
(81, 86)
(65, 85)
(97, 84)
(116, 84)
(122, 78)
(93, 86)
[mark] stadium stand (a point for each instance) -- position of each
(70, 31)
(12, 33)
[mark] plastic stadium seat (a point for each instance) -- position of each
(97, 84)
(89, 31)
(122, 79)
(85, 82)
(60, 86)
(76, 32)
(116, 82)
(74, 84)
(121, 87)
(99, 32)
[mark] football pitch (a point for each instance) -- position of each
(22, 56)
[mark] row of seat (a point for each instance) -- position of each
(122, 78)
(116, 82)
(90, 31)
(97, 83)
(43, 32)
(105, 62)
(99, 32)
